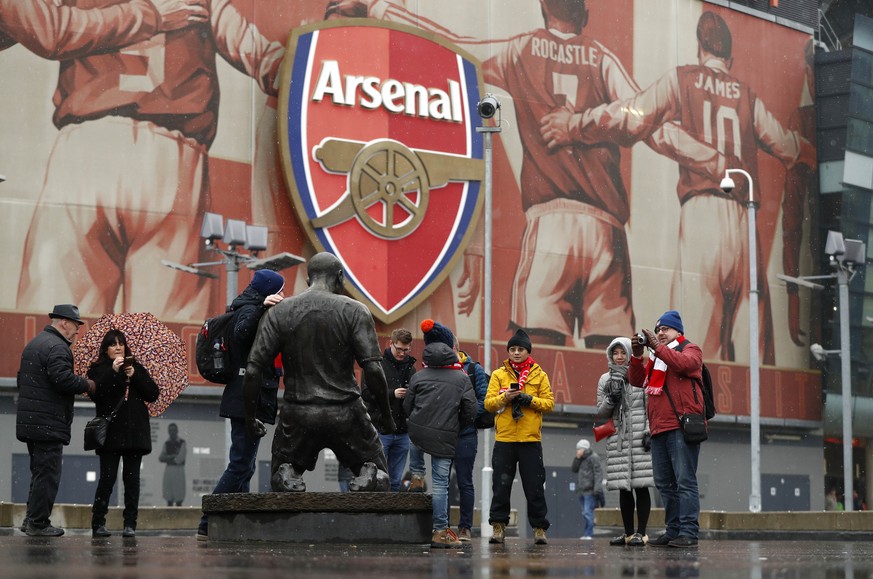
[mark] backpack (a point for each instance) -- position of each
(212, 349)
(705, 386)
(486, 419)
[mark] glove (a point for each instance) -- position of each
(637, 349)
(255, 428)
(651, 339)
(614, 398)
(525, 399)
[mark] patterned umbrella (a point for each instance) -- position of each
(153, 344)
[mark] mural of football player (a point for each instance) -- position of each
(54, 31)
(574, 269)
(716, 108)
(127, 178)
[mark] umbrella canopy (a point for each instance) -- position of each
(154, 345)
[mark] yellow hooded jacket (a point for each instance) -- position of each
(529, 427)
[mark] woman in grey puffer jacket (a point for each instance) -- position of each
(628, 460)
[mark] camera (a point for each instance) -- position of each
(488, 106)
(639, 340)
(727, 185)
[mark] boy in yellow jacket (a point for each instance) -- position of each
(519, 392)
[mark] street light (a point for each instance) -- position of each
(727, 185)
(487, 108)
(845, 257)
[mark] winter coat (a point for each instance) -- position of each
(249, 306)
(589, 473)
(397, 374)
(682, 369)
(628, 464)
(439, 402)
(479, 380)
(47, 388)
(529, 427)
(129, 432)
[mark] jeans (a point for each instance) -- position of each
(440, 469)
(108, 475)
(242, 460)
(588, 504)
(416, 460)
(465, 457)
(395, 447)
(675, 468)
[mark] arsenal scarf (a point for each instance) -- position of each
(656, 370)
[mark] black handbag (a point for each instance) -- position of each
(693, 425)
(98, 427)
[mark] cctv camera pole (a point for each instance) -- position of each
(487, 471)
(754, 363)
(846, 378)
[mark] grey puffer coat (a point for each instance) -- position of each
(628, 464)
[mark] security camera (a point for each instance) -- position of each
(488, 106)
(727, 185)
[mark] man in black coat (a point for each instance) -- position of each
(264, 291)
(47, 388)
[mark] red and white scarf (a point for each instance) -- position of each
(522, 369)
(455, 366)
(656, 370)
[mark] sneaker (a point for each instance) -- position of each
(128, 532)
(661, 541)
(464, 534)
(100, 531)
(619, 541)
(47, 531)
(637, 540)
(416, 484)
(202, 533)
(586, 538)
(444, 539)
(540, 536)
(683, 542)
(498, 533)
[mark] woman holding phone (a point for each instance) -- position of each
(123, 387)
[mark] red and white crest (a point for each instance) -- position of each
(381, 154)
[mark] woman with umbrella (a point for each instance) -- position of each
(123, 387)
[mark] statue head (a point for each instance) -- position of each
(325, 272)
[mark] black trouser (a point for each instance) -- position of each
(45, 478)
(528, 456)
(108, 474)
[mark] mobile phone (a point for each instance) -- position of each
(128, 361)
(513, 386)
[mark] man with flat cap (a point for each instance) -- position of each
(321, 334)
(47, 387)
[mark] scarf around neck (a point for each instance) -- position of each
(522, 369)
(656, 370)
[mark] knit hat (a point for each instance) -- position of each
(520, 339)
(671, 319)
(436, 332)
(267, 282)
(583, 444)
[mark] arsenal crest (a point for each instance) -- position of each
(381, 155)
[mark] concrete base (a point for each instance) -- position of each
(320, 517)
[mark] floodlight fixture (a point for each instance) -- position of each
(256, 238)
(213, 227)
(855, 252)
(276, 262)
(235, 232)
(188, 269)
(835, 244)
(2, 178)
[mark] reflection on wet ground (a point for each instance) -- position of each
(77, 555)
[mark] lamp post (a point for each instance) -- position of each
(487, 108)
(727, 184)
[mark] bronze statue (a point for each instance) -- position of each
(320, 335)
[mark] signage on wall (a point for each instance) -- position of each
(381, 155)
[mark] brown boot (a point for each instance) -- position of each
(464, 534)
(498, 533)
(540, 536)
(416, 484)
(444, 539)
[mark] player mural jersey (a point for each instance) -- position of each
(170, 79)
(575, 72)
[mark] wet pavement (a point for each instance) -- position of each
(78, 555)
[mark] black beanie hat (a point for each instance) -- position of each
(520, 339)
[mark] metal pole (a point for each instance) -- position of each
(846, 377)
(754, 362)
(232, 267)
(487, 472)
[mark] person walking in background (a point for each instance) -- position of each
(264, 291)
(468, 443)
(399, 367)
(669, 381)
(521, 386)
(589, 484)
(173, 454)
(47, 388)
(123, 388)
(439, 403)
(628, 457)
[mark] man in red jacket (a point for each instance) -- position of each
(674, 364)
